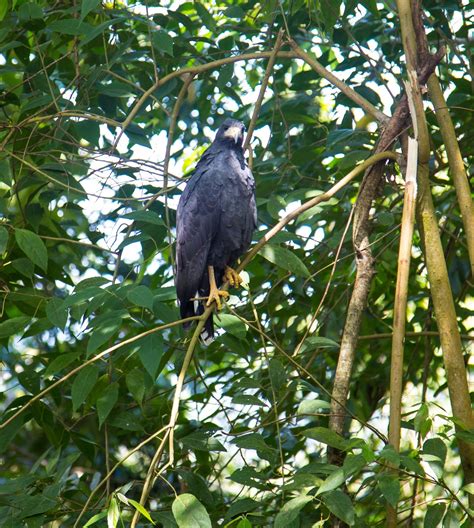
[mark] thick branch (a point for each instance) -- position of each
(400, 308)
(436, 264)
(456, 164)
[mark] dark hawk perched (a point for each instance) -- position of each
(215, 220)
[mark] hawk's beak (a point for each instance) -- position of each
(234, 132)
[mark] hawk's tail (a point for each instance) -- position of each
(191, 308)
(207, 334)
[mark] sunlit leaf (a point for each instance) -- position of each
(190, 513)
(333, 481)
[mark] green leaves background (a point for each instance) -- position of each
(252, 433)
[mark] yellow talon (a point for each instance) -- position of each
(232, 277)
(214, 293)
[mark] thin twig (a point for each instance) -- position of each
(263, 88)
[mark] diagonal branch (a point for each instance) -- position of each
(377, 114)
(263, 88)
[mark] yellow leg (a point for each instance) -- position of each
(232, 277)
(214, 293)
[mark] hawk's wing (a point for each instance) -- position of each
(197, 220)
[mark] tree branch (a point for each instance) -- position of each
(367, 106)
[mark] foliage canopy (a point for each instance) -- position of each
(105, 108)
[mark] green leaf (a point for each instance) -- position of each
(202, 442)
(438, 451)
(87, 6)
(284, 258)
(469, 488)
(83, 384)
(113, 513)
(314, 342)
(106, 401)
(135, 381)
(56, 313)
(71, 26)
(33, 247)
(330, 10)
(389, 486)
(29, 11)
(241, 506)
(190, 513)
(15, 325)
(163, 42)
(312, 407)
(257, 442)
(389, 454)
(247, 399)
(206, 17)
(146, 216)
(199, 487)
(353, 464)
(60, 362)
(150, 353)
(3, 9)
(249, 477)
(291, 510)
(451, 520)
(340, 505)
(35, 504)
(141, 296)
(3, 233)
(102, 334)
(333, 481)
(277, 373)
(326, 436)
(386, 218)
(95, 518)
(8, 433)
(141, 509)
(434, 514)
(422, 420)
(234, 12)
(233, 325)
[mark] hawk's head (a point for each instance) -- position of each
(231, 132)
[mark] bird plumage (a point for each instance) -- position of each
(216, 218)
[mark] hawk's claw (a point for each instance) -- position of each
(232, 277)
(215, 295)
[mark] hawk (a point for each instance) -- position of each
(215, 221)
